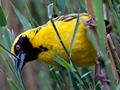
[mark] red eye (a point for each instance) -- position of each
(17, 47)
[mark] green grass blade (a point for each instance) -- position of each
(61, 6)
(71, 61)
(41, 11)
(6, 61)
(49, 15)
(22, 19)
(55, 8)
(50, 10)
(4, 49)
(115, 16)
(43, 79)
(80, 6)
(13, 36)
(98, 10)
(10, 67)
(13, 72)
(7, 38)
(73, 81)
(21, 79)
(46, 77)
(92, 39)
(29, 15)
(91, 36)
(69, 7)
(3, 21)
(43, 76)
(86, 74)
(62, 62)
(56, 77)
(13, 85)
(36, 22)
(85, 70)
(74, 34)
(80, 80)
(59, 76)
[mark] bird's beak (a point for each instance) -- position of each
(19, 63)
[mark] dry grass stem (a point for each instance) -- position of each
(113, 48)
(91, 13)
(112, 63)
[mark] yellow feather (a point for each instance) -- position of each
(83, 52)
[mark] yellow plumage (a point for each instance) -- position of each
(83, 52)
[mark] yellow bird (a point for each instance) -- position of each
(42, 42)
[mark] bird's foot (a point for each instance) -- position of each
(101, 71)
(99, 57)
(102, 77)
(90, 22)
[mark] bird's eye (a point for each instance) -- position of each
(18, 47)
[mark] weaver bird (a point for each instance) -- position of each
(42, 42)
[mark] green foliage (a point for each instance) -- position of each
(61, 6)
(3, 21)
(102, 37)
(8, 40)
(13, 85)
(22, 19)
(74, 34)
(80, 78)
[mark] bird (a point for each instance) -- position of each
(42, 43)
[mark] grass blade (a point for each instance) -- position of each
(62, 62)
(115, 16)
(22, 19)
(56, 77)
(77, 75)
(29, 15)
(43, 76)
(13, 72)
(46, 77)
(80, 6)
(55, 8)
(50, 10)
(49, 15)
(4, 49)
(21, 79)
(102, 38)
(73, 80)
(91, 38)
(74, 34)
(13, 85)
(69, 7)
(3, 21)
(7, 38)
(86, 74)
(61, 6)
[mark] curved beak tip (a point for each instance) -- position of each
(20, 63)
(17, 64)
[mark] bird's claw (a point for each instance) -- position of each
(101, 78)
(90, 22)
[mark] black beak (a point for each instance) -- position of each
(20, 63)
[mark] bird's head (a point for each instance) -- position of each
(23, 48)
